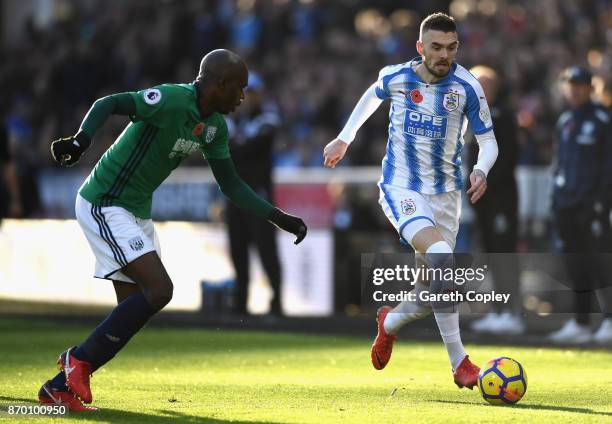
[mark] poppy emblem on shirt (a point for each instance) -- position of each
(416, 96)
(198, 129)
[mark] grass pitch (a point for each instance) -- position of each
(176, 375)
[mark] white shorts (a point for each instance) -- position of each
(410, 212)
(115, 236)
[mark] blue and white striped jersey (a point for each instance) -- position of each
(425, 126)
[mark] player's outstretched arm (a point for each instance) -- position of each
(67, 151)
(366, 106)
(239, 193)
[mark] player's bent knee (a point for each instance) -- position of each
(425, 237)
(439, 254)
(160, 296)
(424, 313)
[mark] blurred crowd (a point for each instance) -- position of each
(316, 57)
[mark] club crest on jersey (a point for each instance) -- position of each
(210, 134)
(586, 135)
(450, 101)
(198, 129)
(136, 244)
(408, 206)
(152, 96)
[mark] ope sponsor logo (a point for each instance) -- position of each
(425, 125)
(424, 118)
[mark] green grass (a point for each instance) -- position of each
(175, 375)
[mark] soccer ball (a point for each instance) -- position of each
(502, 381)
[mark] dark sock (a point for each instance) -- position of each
(115, 331)
(582, 305)
(59, 381)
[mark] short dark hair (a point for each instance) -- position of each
(438, 22)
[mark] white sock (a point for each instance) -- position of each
(448, 324)
(406, 312)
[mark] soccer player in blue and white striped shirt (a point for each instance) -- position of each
(432, 97)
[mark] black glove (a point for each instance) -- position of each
(289, 223)
(67, 151)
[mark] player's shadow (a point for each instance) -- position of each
(542, 407)
(116, 415)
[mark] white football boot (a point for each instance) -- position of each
(508, 323)
(571, 333)
(604, 334)
(485, 324)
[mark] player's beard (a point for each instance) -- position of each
(436, 73)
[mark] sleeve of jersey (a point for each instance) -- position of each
(367, 105)
(102, 109)
(152, 105)
(381, 87)
(219, 147)
(487, 151)
(236, 190)
(477, 109)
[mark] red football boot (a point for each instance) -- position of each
(77, 375)
(466, 374)
(47, 395)
(383, 344)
